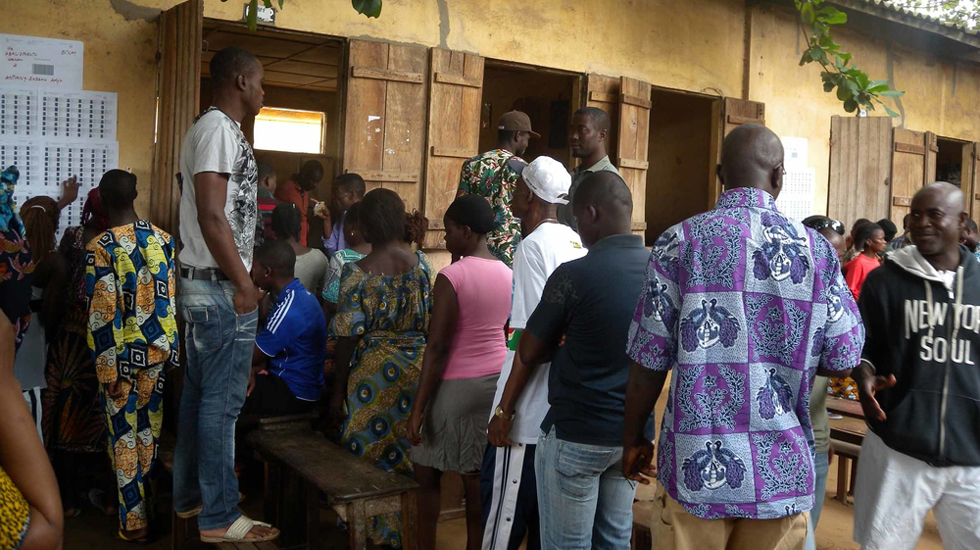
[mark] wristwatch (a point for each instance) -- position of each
(499, 413)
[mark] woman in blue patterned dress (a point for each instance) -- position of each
(381, 322)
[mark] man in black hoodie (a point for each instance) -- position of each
(919, 385)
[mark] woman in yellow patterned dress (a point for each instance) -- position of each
(381, 322)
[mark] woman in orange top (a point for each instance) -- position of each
(870, 240)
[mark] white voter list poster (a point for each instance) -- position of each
(46, 63)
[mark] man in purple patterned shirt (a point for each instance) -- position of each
(746, 306)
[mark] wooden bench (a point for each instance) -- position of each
(354, 489)
(846, 436)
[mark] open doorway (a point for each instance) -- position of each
(949, 160)
(548, 98)
(301, 119)
(680, 173)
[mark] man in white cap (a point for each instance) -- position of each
(508, 484)
(487, 175)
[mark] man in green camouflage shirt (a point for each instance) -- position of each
(487, 175)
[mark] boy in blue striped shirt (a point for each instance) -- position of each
(287, 362)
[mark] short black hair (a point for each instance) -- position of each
(309, 168)
(972, 225)
(278, 256)
(605, 190)
(265, 170)
(352, 217)
(504, 136)
(474, 212)
(286, 220)
(865, 233)
(382, 217)
(599, 117)
(350, 182)
(230, 62)
(117, 189)
(889, 228)
(857, 224)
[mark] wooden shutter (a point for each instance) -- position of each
(456, 79)
(932, 149)
(970, 175)
(384, 128)
(603, 92)
(860, 168)
(910, 164)
(727, 114)
(634, 143)
(178, 97)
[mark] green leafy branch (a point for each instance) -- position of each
(854, 87)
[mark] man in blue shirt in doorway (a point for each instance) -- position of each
(287, 363)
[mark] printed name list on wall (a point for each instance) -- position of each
(51, 129)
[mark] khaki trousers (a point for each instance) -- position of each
(676, 529)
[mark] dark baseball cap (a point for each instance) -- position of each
(516, 121)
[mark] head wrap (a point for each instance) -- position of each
(93, 213)
(474, 212)
(8, 215)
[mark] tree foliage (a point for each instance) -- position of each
(369, 8)
(957, 12)
(854, 87)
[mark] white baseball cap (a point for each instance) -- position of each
(545, 176)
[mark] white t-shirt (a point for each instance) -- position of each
(536, 258)
(215, 143)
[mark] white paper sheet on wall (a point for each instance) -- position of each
(19, 109)
(796, 199)
(78, 115)
(41, 62)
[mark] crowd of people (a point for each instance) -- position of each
(530, 365)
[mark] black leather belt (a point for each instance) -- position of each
(203, 273)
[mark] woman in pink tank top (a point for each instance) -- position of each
(464, 353)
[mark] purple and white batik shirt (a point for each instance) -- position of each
(743, 304)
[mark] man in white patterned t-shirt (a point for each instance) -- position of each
(217, 299)
(507, 482)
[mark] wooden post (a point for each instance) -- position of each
(312, 516)
(410, 520)
(357, 525)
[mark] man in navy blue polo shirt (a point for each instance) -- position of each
(287, 363)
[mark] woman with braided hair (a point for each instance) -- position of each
(382, 321)
(73, 421)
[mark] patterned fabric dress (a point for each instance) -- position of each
(487, 175)
(72, 415)
(390, 315)
(15, 514)
(133, 334)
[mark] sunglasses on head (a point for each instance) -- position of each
(824, 223)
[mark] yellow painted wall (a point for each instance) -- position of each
(697, 45)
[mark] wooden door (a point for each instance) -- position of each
(969, 183)
(860, 168)
(932, 150)
(909, 169)
(727, 114)
(384, 123)
(456, 79)
(633, 144)
(178, 96)
(603, 92)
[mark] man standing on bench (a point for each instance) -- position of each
(217, 299)
(919, 385)
(287, 364)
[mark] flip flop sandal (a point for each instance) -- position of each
(239, 530)
(196, 511)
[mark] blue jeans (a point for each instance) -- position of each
(583, 499)
(821, 464)
(219, 346)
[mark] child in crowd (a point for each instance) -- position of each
(357, 248)
(287, 363)
(869, 241)
(852, 251)
(311, 265)
(348, 189)
(266, 202)
(971, 238)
